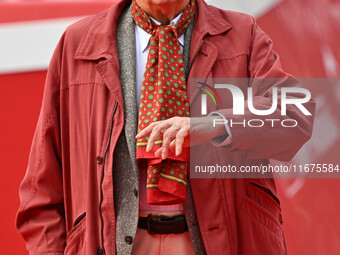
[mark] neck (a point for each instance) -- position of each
(163, 10)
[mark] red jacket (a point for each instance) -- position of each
(82, 115)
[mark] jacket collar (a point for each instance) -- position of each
(99, 40)
(209, 20)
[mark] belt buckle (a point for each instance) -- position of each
(151, 217)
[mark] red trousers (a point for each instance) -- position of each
(156, 244)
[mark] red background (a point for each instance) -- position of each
(301, 30)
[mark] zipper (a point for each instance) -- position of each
(102, 178)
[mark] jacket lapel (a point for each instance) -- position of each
(109, 73)
(98, 43)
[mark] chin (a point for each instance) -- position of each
(164, 2)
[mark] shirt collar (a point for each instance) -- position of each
(145, 37)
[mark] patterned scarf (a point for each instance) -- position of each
(163, 96)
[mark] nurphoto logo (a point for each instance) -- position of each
(239, 104)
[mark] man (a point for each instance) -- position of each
(91, 184)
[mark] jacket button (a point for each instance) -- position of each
(99, 160)
(135, 192)
(128, 239)
(100, 251)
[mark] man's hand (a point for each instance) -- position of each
(181, 132)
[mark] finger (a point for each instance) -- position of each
(181, 135)
(172, 146)
(158, 153)
(167, 137)
(155, 133)
(145, 131)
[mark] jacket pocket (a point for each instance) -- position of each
(264, 199)
(259, 229)
(75, 238)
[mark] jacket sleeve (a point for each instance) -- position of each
(265, 73)
(40, 219)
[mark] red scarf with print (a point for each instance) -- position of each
(163, 96)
